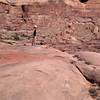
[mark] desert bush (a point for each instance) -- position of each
(16, 37)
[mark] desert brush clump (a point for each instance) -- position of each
(16, 37)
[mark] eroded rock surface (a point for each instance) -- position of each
(89, 65)
(58, 21)
(40, 73)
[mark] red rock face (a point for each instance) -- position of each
(70, 18)
(46, 15)
(39, 73)
(79, 3)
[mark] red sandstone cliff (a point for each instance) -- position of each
(64, 19)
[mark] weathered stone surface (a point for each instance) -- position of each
(89, 65)
(92, 58)
(57, 22)
(39, 73)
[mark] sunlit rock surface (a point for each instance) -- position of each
(40, 73)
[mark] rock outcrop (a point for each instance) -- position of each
(89, 65)
(56, 19)
(40, 73)
(54, 14)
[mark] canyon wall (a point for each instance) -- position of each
(52, 16)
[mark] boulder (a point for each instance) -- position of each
(92, 58)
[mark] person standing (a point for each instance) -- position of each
(34, 35)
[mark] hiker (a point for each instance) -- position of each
(34, 35)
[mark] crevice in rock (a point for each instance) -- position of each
(87, 63)
(23, 8)
(40, 71)
(23, 18)
(94, 89)
(89, 80)
(24, 12)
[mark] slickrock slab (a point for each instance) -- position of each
(40, 73)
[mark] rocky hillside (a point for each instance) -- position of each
(58, 15)
(61, 23)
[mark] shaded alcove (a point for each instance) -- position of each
(83, 1)
(24, 12)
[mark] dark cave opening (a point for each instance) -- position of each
(24, 12)
(23, 8)
(83, 1)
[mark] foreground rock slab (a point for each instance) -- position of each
(39, 73)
